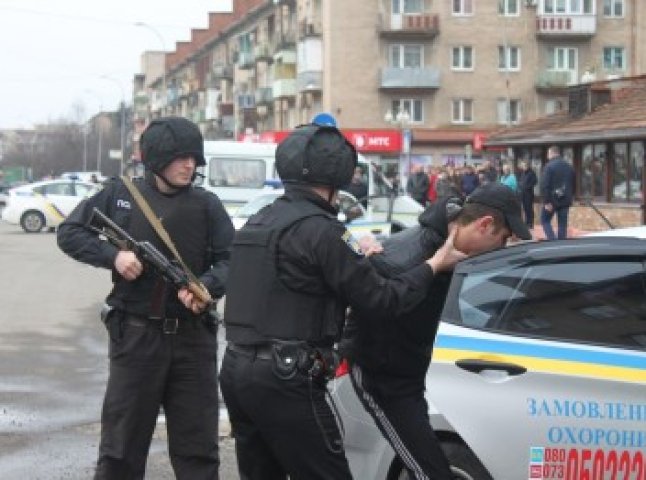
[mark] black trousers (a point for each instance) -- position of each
(149, 368)
(400, 411)
(527, 199)
(281, 427)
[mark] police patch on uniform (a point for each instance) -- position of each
(351, 242)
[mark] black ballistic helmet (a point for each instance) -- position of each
(316, 155)
(168, 138)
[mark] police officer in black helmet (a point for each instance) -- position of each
(163, 342)
(294, 271)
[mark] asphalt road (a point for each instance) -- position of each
(53, 366)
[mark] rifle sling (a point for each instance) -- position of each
(159, 228)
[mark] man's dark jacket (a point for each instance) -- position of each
(402, 345)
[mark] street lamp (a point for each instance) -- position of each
(100, 128)
(123, 120)
(161, 40)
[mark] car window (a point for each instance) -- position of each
(55, 189)
(83, 190)
(597, 302)
(236, 172)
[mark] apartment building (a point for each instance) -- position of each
(408, 80)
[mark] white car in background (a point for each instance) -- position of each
(45, 204)
(351, 212)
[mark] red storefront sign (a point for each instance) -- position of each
(478, 140)
(373, 141)
(365, 141)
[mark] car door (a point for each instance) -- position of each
(57, 200)
(540, 361)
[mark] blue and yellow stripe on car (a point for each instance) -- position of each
(51, 208)
(575, 360)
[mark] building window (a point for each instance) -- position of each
(407, 6)
(576, 7)
(614, 58)
(462, 58)
(508, 111)
(613, 8)
(627, 178)
(462, 7)
(406, 56)
(564, 59)
(413, 106)
(462, 110)
(594, 173)
(552, 106)
(508, 7)
(508, 58)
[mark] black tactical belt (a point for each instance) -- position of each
(169, 326)
(262, 351)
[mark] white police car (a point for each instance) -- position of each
(538, 369)
(352, 213)
(45, 204)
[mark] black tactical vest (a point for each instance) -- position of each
(259, 306)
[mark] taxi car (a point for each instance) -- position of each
(45, 204)
(538, 369)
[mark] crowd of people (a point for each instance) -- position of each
(427, 185)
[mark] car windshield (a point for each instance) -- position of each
(254, 205)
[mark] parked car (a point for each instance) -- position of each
(538, 369)
(350, 212)
(4, 189)
(45, 204)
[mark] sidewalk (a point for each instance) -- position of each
(538, 233)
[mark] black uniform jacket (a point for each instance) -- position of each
(195, 220)
(402, 346)
(318, 255)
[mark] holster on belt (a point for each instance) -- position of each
(113, 321)
(291, 357)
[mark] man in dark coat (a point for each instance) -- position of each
(417, 184)
(526, 183)
(557, 190)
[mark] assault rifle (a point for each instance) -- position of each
(148, 254)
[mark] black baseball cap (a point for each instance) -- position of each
(503, 199)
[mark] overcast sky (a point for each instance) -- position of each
(55, 54)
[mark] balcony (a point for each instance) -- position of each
(569, 26)
(284, 41)
(246, 60)
(264, 96)
(284, 88)
(309, 28)
(262, 53)
(409, 78)
(310, 81)
(222, 72)
(555, 81)
(419, 26)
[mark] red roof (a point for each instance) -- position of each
(624, 118)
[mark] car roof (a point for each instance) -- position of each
(573, 248)
(29, 186)
(634, 232)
